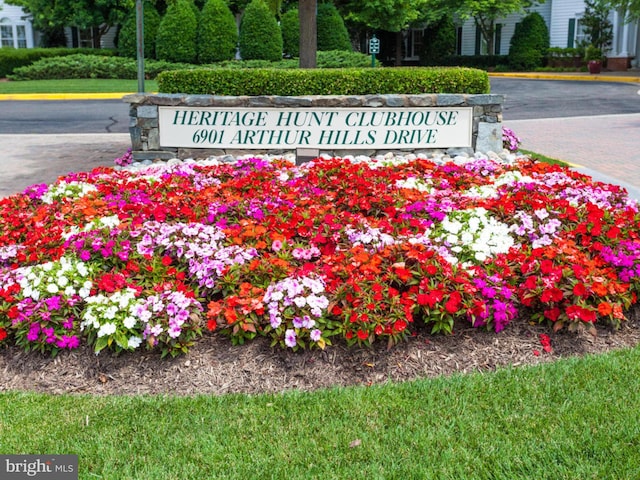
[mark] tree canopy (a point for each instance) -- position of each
(76, 13)
(486, 12)
(630, 7)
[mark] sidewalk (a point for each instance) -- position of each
(604, 147)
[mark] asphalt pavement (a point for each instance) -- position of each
(606, 147)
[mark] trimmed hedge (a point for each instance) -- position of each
(290, 28)
(302, 82)
(475, 61)
(12, 58)
(90, 66)
(332, 33)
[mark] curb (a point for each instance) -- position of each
(63, 96)
(569, 76)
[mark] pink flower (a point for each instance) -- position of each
(276, 246)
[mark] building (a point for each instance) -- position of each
(563, 20)
(17, 31)
(15, 28)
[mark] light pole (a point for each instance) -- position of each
(140, 44)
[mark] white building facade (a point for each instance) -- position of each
(563, 20)
(15, 28)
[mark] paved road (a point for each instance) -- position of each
(525, 99)
(534, 99)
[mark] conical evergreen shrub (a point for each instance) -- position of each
(260, 36)
(290, 25)
(217, 33)
(332, 33)
(127, 40)
(177, 33)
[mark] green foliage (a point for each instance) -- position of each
(630, 7)
(127, 41)
(89, 66)
(217, 33)
(290, 25)
(343, 59)
(299, 82)
(475, 61)
(439, 41)
(332, 34)
(332, 59)
(529, 43)
(390, 15)
(598, 29)
(177, 32)
(12, 58)
(260, 36)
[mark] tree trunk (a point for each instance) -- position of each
(398, 60)
(308, 33)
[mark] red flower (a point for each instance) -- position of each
(580, 290)
(362, 335)
(3, 334)
(166, 260)
(545, 341)
(399, 325)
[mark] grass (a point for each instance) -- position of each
(572, 419)
(76, 86)
(542, 158)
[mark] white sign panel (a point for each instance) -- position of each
(288, 128)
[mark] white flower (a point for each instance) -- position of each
(134, 342)
(107, 329)
(129, 322)
(53, 288)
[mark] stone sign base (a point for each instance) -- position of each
(486, 124)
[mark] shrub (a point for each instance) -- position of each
(127, 39)
(529, 43)
(176, 41)
(12, 58)
(439, 41)
(475, 61)
(299, 82)
(217, 33)
(90, 66)
(332, 34)
(290, 24)
(260, 36)
(343, 59)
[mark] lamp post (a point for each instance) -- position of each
(140, 44)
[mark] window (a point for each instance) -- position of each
(6, 36)
(21, 36)
(459, 41)
(482, 48)
(576, 35)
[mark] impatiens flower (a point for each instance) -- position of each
(290, 338)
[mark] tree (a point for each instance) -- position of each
(217, 33)
(99, 15)
(177, 32)
(392, 15)
(308, 33)
(439, 41)
(631, 8)
(260, 36)
(486, 12)
(127, 38)
(596, 25)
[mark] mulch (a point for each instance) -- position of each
(214, 366)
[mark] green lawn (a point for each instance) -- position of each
(76, 86)
(572, 419)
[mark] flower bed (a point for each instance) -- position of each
(357, 250)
